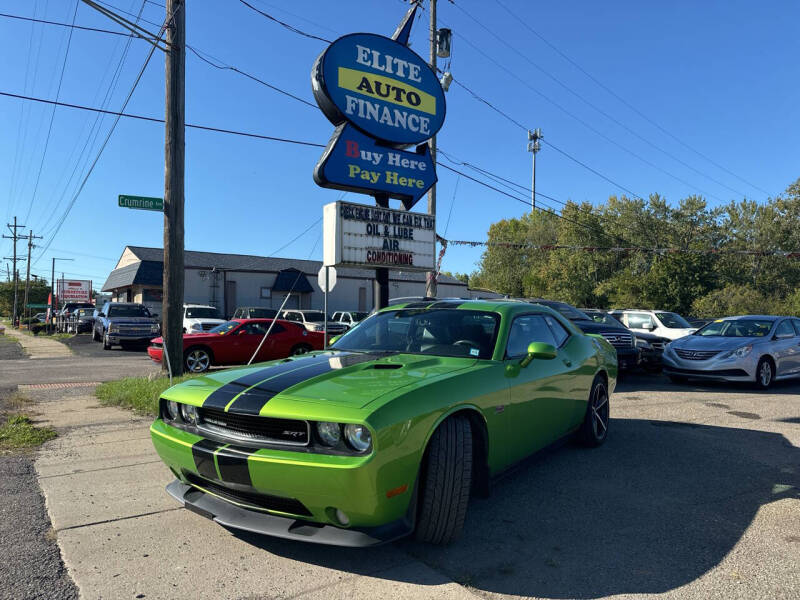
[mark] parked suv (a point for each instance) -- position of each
(658, 322)
(255, 312)
(313, 320)
(351, 318)
(624, 342)
(200, 317)
(122, 323)
(71, 307)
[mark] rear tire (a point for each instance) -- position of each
(197, 360)
(446, 479)
(594, 430)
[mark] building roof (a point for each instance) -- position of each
(146, 272)
(153, 257)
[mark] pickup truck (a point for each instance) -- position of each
(120, 323)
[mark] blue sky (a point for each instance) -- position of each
(722, 77)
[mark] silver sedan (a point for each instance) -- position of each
(758, 349)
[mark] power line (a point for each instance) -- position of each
(72, 26)
(283, 24)
(625, 102)
(105, 142)
(602, 112)
(52, 114)
(157, 120)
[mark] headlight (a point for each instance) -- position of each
(358, 437)
(154, 328)
(112, 328)
(739, 352)
(172, 409)
(189, 414)
(329, 433)
(197, 327)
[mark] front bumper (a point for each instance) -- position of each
(628, 358)
(270, 490)
(156, 353)
(118, 338)
(727, 369)
(231, 515)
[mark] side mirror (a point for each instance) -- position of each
(649, 326)
(540, 351)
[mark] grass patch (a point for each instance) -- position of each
(19, 432)
(140, 394)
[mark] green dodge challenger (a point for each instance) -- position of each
(389, 431)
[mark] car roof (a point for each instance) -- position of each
(762, 317)
(501, 305)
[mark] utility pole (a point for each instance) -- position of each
(15, 237)
(31, 246)
(174, 144)
(534, 147)
(430, 281)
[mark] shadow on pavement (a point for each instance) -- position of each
(656, 507)
(639, 382)
(83, 345)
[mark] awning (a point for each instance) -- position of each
(292, 280)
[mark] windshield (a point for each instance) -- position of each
(672, 320)
(201, 312)
(358, 316)
(603, 318)
(128, 310)
(262, 313)
(225, 327)
(439, 332)
(314, 315)
(84, 312)
(736, 328)
(573, 314)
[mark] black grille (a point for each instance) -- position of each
(208, 326)
(696, 354)
(618, 340)
(256, 499)
(657, 346)
(254, 428)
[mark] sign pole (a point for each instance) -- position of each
(430, 280)
(327, 285)
(380, 289)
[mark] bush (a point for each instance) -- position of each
(138, 393)
(37, 328)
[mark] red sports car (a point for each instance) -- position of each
(233, 343)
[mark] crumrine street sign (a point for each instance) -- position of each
(382, 97)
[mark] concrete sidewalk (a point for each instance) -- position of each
(39, 347)
(122, 536)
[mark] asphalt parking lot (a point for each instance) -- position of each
(696, 494)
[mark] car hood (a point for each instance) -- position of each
(651, 337)
(345, 379)
(203, 320)
(710, 342)
(594, 327)
(676, 334)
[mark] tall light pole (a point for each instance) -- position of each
(430, 281)
(534, 147)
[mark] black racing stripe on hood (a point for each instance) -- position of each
(253, 400)
(232, 462)
(203, 454)
(222, 396)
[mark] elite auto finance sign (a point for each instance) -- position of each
(381, 87)
(382, 97)
(369, 236)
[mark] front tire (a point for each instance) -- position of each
(765, 373)
(594, 430)
(197, 360)
(95, 337)
(300, 349)
(446, 479)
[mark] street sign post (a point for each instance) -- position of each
(326, 277)
(141, 202)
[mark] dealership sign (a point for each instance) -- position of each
(355, 235)
(70, 290)
(382, 97)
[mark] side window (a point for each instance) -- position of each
(527, 329)
(337, 316)
(785, 329)
(639, 321)
(238, 314)
(559, 333)
(292, 316)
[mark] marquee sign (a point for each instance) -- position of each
(355, 235)
(382, 97)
